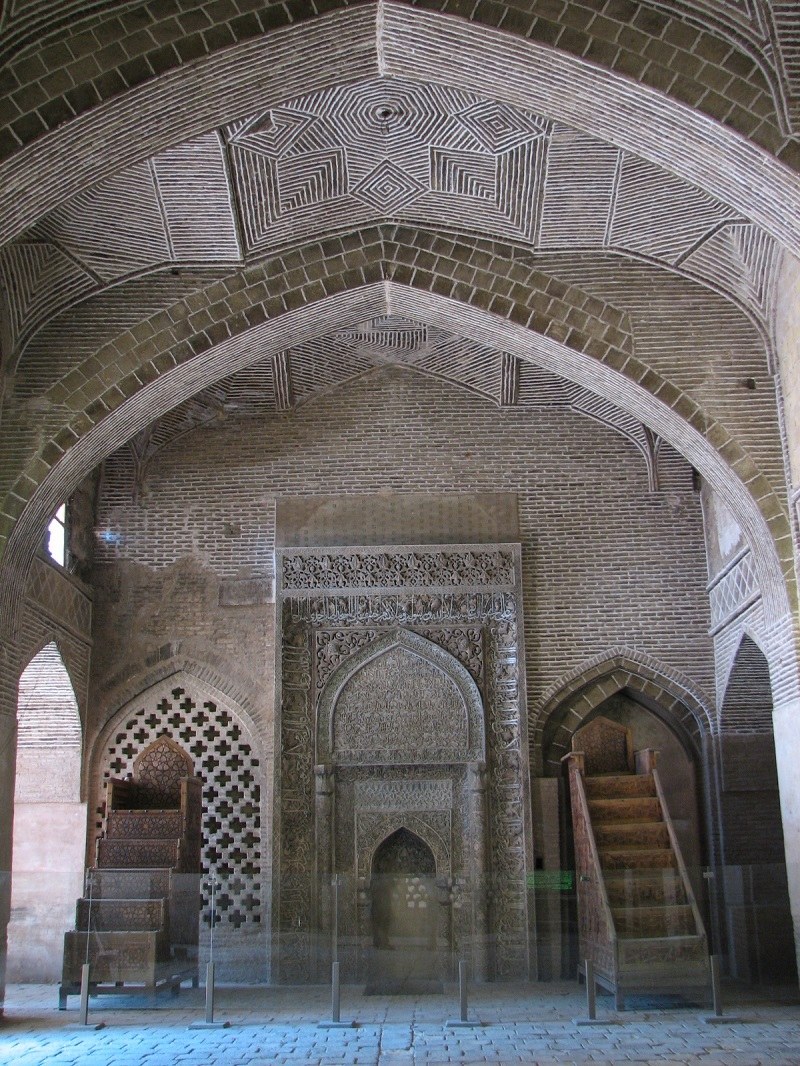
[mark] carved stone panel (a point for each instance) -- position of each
(400, 681)
(400, 708)
(400, 699)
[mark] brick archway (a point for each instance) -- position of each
(563, 709)
(131, 381)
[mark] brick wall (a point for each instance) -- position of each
(605, 562)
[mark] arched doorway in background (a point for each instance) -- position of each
(49, 820)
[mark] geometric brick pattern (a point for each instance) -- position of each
(733, 589)
(361, 153)
(230, 773)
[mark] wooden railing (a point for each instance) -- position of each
(598, 935)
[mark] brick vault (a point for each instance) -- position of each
(425, 287)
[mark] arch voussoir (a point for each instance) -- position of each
(510, 305)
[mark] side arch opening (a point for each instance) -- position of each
(49, 839)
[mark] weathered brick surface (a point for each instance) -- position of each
(161, 558)
(104, 55)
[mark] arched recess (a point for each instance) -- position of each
(49, 819)
(227, 752)
(407, 43)
(566, 706)
(754, 886)
(413, 824)
(512, 327)
(664, 711)
(467, 737)
(410, 940)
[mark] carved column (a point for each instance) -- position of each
(325, 784)
(477, 866)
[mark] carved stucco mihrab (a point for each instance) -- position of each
(401, 698)
(440, 623)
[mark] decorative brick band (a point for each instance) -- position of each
(650, 109)
(478, 288)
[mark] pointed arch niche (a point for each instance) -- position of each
(402, 710)
(184, 719)
(49, 820)
(649, 705)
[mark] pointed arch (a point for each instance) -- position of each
(408, 43)
(747, 699)
(227, 749)
(377, 834)
(566, 705)
(416, 646)
(47, 709)
(49, 830)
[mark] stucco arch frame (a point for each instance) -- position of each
(369, 843)
(424, 649)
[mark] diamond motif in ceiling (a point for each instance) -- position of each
(388, 188)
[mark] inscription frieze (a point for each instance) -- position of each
(409, 609)
(398, 569)
(417, 795)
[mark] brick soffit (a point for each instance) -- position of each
(406, 43)
(181, 370)
(350, 155)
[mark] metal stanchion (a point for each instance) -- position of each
(591, 991)
(591, 1000)
(83, 1016)
(209, 1022)
(336, 991)
(463, 1020)
(718, 1017)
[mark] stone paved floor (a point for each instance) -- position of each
(522, 1024)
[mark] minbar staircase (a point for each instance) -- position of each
(639, 921)
(137, 926)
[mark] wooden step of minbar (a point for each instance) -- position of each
(625, 809)
(645, 835)
(139, 883)
(617, 786)
(143, 825)
(637, 858)
(648, 922)
(642, 888)
(106, 915)
(137, 853)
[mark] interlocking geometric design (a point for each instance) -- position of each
(231, 794)
(353, 154)
(159, 769)
(388, 188)
(499, 127)
(273, 132)
(311, 180)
